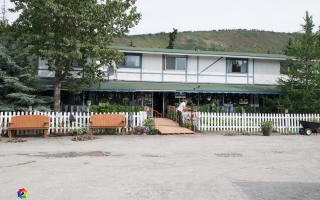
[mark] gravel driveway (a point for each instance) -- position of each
(199, 166)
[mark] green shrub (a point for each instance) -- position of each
(173, 113)
(109, 108)
(249, 109)
(205, 108)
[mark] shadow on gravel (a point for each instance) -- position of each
(280, 190)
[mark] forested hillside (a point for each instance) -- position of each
(219, 40)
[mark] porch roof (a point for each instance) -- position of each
(134, 86)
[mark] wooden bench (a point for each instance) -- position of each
(107, 121)
(29, 122)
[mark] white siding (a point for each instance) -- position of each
(202, 69)
(152, 63)
(266, 71)
(192, 65)
(46, 74)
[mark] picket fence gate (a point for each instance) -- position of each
(250, 122)
(59, 121)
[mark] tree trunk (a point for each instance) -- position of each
(57, 92)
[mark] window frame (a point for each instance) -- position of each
(239, 59)
(124, 65)
(175, 65)
(283, 67)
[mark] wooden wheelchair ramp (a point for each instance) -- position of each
(169, 127)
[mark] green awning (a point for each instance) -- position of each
(136, 86)
(126, 86)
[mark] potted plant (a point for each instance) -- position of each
(88, 102)
(149, 123)
(155, 131)
(208, 97)
(266, 127)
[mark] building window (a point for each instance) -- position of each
(237, 65)
(283, 67)
(132, 61)
(175, 63)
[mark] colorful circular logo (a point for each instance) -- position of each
(22, 193)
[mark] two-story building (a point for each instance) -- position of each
(165, 76)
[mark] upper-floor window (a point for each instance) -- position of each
(237, 65)
(175, 63)
(132, 61)
(283, 67)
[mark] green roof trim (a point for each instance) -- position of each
(201, 53)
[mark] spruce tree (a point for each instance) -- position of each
(172, 38)
(300, 83)
(19, 85)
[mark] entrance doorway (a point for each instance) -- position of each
(158, 102)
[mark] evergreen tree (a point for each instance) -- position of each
(172, 38)
(19, 85)
(132, 44)
(301, 82)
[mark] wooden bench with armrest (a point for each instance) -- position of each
(107, 121)
(29, 122)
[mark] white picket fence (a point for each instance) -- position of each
(210, 122)
(247, 122)
(59, 121)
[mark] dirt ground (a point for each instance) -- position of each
(199, 166)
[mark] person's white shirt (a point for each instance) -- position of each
(182, 106)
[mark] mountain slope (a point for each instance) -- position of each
(230, 40)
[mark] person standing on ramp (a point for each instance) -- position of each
(180, 109)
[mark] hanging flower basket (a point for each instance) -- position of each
(125, 99)
(139, 96)
(110, 96)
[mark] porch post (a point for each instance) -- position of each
(163, 99)
(152, 104)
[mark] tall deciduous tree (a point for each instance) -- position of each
(301, 83)
(68, 33)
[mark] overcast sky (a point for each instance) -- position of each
(195, 15)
